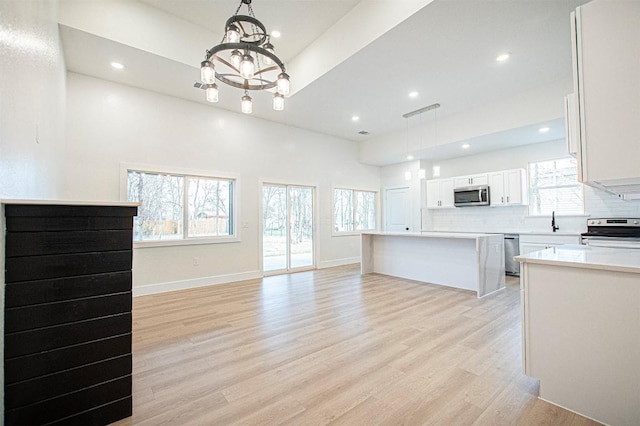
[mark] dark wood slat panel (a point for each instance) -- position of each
(45, 339)
(68, 210)
(46, 291)
(45, 243)
(65, 265)
(48, 314)
(56, 409)
(51, 386)
(52, 224)
(103, 415)
(30, 366)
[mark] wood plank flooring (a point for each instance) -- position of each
(333, 347)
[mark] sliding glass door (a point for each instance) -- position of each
(287, 228)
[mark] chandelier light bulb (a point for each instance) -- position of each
(247, 68)
(212, 92)
(278, 102)
(283, 84)
(236, 57)
(233, 34)
(207, 72)
(247, 104)
(269, 48)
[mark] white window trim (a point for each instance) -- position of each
(234, 238)
(376, 193)
(558, 214)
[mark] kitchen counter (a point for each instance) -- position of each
(580, 316)
(579, 256)
(469, 261)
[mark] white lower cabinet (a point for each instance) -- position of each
(439, 193)
(509, 188)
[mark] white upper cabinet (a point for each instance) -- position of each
(606, 46)
(439, 193)
(509, 188)
(471, 180)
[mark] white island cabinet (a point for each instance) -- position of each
(581, 329)
(455, 259)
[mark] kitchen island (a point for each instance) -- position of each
(469, 261)
(580, 317)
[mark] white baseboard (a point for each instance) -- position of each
(338, 262)
(147, 289)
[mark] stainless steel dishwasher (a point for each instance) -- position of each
(511, 249)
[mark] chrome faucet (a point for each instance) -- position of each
(553, 222)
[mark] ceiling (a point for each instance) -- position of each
(445, 51)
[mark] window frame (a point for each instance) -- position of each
(234, 217)
(530, 213)
(376, 201)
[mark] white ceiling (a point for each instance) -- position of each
(446, 51)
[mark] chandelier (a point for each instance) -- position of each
(246, 59)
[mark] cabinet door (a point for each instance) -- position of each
(479, 180)
(446, 192)
(513, 187)
(433, 194)
(496, 189)
(608, 42)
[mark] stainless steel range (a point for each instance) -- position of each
(613, 232)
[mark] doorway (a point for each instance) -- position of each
(287, 228)
(397, 210)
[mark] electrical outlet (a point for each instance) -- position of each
(196, 261)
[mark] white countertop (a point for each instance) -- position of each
(435, 234)
(579, 256)
(71, 203)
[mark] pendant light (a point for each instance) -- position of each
(247, 104)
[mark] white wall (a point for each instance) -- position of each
(513, 219)
(32, 100)
(110, 123)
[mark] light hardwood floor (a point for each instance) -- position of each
(333, 347)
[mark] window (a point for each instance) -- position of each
(180, 207)
(554, 186)
(353, 210)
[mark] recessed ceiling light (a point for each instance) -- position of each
(503, 57)
(355, 118)
(413, 94)
(275, 34)
(409, 157)
(544, 129)
(465, 146)
(117, 65)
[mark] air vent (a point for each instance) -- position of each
(363, 132)
(198, 85)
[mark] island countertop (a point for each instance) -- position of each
(435, 234)
(580, 256)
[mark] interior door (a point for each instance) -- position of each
(287, 228)
(397, 210)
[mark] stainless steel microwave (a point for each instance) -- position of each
(471, 196)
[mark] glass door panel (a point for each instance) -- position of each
(274, 228)
(287, 228)
(301, 226)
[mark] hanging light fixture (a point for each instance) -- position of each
(422, 173)
(246, 59)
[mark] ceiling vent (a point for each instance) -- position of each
(199, 85)
(363, 132)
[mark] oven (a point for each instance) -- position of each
(613, 233)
